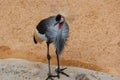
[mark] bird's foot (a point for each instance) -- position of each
(61, 71)
(50, 77)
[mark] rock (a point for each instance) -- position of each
(81, 77)
(19, 69)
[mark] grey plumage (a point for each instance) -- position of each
(54, 30)
(61, 39)
(53, 33)
(58, 36)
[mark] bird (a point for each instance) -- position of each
(53, 29)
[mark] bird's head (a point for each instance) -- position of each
(59, 20)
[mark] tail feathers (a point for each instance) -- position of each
(34, 40)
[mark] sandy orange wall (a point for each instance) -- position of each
(94, 40)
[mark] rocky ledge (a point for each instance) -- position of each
(19, 69)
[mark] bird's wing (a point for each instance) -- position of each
(41, 29)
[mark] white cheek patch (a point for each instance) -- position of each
(62, 20)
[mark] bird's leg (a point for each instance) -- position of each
(49, 57)
(58, 70)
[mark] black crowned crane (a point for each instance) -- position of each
(53, 29)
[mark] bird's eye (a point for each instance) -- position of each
(58, 17)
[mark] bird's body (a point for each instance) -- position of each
(53, 29)
(46, 30)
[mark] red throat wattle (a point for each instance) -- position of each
(60, 25)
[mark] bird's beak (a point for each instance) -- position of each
(56, 23)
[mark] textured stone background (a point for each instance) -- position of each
(94, 40)
(19, 69)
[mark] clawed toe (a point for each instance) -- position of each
(61, 71)
(58, 71)
(50, 77)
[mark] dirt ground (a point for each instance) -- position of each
(94, 41)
